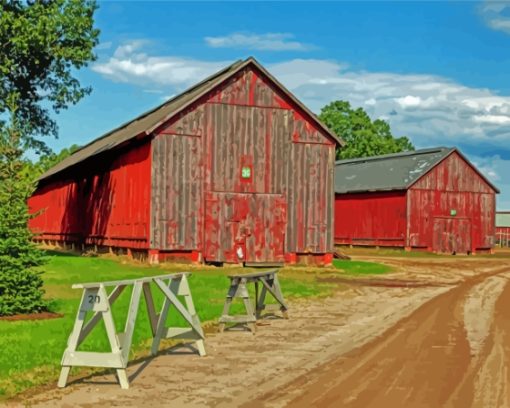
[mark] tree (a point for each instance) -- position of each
(20, 282)
(43, 43)
(49, 160)
(363, 136)
(31, 171)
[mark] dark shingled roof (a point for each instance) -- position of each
(397, 171)
(148, 121)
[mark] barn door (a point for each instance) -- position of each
(223, 239)
(265, 228)
(244, 227)
(461, 229)
(452, 235)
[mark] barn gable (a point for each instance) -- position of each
(454, 173)
(178, 106)
(246, 123)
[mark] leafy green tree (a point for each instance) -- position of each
(43, 43)
(363, 137)
(47, 161)
(32, 170)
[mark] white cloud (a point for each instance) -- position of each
(260, 42)
(431, 110)
(496, 170)
(496, 6)
(493, 119)
(500, 24)
(130, 64)
(496, 15)
(408, 101)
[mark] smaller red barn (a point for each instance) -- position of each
(503, 228)
(430, 199)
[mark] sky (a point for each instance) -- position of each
(438, 72)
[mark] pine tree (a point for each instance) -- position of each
(20, 281)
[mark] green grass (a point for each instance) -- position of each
(383, 251)
(361, 267)
(30, 351)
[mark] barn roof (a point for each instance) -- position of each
(397, 171)
(503, 219)
(147, 122)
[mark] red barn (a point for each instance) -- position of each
(431, 199)
(235, 169)
(503, 228)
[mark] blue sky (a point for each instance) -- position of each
(439, 72)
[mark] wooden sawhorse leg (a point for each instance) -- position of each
(172, 289)
(271, 286)
(238, 289)
(98, 301)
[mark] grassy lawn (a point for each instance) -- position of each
(30, 351)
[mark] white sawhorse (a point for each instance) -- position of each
(96, 300)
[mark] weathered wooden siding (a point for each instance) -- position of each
(250, 88)
(427, 207)
(453, 190)
(377, 218)
(310, 198)
(104, 201)
(177, 195)
(241, 137)
(248, 227)
(453, 174)
(282, 204)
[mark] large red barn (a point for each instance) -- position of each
(235, 169)
(430, 199)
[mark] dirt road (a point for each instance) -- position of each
(450, 352)
(444, 340)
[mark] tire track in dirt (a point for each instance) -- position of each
(493, 390)
(420, 362)
(488, 375)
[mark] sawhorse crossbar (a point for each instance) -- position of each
(96, 300)
(238, 289)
